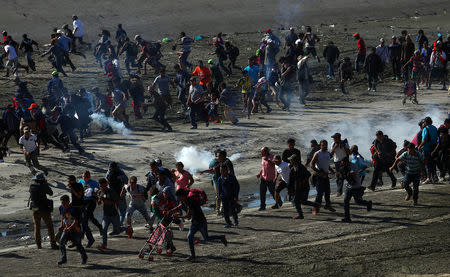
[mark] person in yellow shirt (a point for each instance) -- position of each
(246, 85)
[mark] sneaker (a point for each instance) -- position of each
(369, 206)
(372, 188)
(427, 181)
(238, 208)
(54, 246)
(407, 197)
(298, 217)
(90, 243)
(39, 246)
(224, 240)
(129, 232)
(346, 220)
(102, 247)
(315, 211)
(113, 233)
(71, 246)
(227, 226)
(62, 261)
(169, 253)
(262, 209)
(190, 259)
(275, 206)
(235, 224)
(193, 127)
(368, 89)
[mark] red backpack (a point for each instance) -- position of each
(198, 195)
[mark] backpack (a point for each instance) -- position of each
(234, 52)
(154, 48)
(132, 49)
(199, 196)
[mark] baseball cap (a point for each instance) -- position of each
(210, 61)
(336, 135)
(379, 133)
(356, 35)
(26, 129)
(33, 106)
(439, 35)
(55, 73)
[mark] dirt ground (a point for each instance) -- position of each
(395, 239)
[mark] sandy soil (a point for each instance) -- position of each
(253, 243)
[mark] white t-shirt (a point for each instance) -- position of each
(79, 32)
(29, 144)
(284, 170)
(12, 52)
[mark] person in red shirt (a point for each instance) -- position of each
(203, 73)
(361, 56)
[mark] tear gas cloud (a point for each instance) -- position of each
(289, 13)
(195, 159)
(361, 132)
(117, 127)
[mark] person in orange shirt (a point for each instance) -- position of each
(203, 73)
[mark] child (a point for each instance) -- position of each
(70, 225)
(260, 94)
(246, 84)
(359, 162)
(212, 107)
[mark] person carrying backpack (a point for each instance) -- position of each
(198, 219)
(42, 209)
(232, 52)
(384, 157)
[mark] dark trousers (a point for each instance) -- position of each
(372, 78)
(339, 179)
(9, 134)
(90, 208)
(130, 60)
(75, 237)
(203, 228)
(359, 59)
(357, 194)
(30, 61)
(415, 179)
(229, 207)
(380, 167)
(265, 185)
(301, 197)
(160, 116)
(430, 162)
(68, 60)
(224, 68)
(396, 67)
(181, 95)
(70, 134)
(323, 189)
(196, 111)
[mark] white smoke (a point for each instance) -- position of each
(195, 159)
(117, 127)
(289, 13)
(361, 132)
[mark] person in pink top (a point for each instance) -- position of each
(183, 178)
(266, 176)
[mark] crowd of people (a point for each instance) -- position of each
(201, 90)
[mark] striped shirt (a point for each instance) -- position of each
(413, 162)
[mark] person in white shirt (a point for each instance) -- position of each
(13, 59)
(339, 150)
(282, 170)
(30, 147)
(78, 31)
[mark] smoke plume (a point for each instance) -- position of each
(117, 127)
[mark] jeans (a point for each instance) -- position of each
(181, 95)
(372, 80)
(396, 67)
(357, 194)
(304, 90)
(196, 110)
(323, 188)
(122, 207)
(85, 224)
(229, 207)
(331, 69)
(301, 197)
(47, 217)
(430, 162)
(141, 209)
(90, 208)
(263, 186)
(415, 179)
(107, 220)
(224, 68)
(380, 167)
(339, 180)
(359, 59)
(160, 116)
(203, 228)
(75, 237)
(130, 60)
(184, 61)
(285, 94)
(29, 58)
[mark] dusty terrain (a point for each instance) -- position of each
(395, 239)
